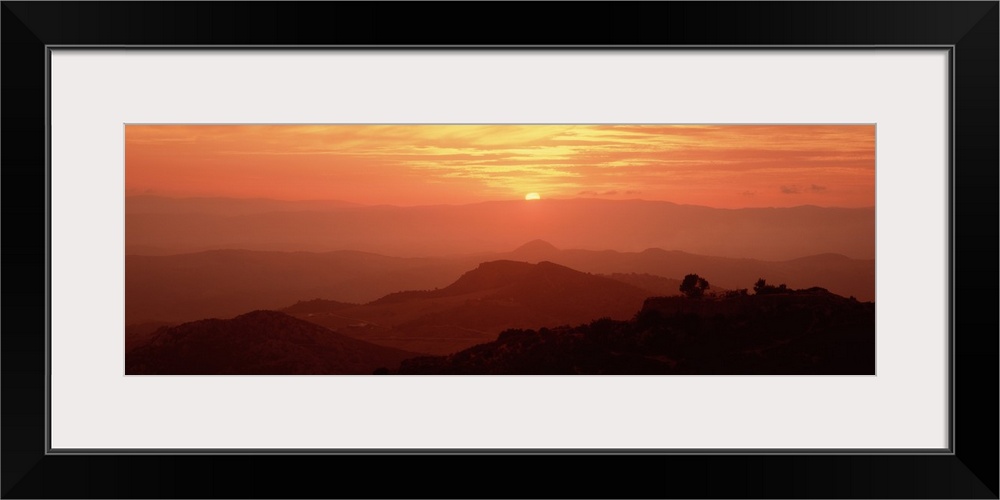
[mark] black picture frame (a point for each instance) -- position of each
(969, 28)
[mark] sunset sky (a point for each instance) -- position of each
(726, 166)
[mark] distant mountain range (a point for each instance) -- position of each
(225, 283)
(507, 317)
(163, 226)
(226, 206)
(257, 343)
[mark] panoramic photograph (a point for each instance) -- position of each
(499, 250)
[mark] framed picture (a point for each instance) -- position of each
(502, 249)
(842, 159)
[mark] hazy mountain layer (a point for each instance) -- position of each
(225, 283)
(226, 206)
(169, 226)
(475, 308)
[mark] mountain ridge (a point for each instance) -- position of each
(482, 302)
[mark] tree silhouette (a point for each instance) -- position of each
(693, 286)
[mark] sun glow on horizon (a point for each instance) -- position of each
(722, 166)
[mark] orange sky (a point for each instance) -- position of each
(728, 166)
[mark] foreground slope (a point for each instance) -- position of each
(808, 332)
(257, 343)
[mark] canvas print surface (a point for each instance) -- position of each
(499, 249)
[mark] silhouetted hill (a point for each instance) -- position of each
(805, 333)
(257, 343)
(629, 225)
(484, 301)
(488, 276)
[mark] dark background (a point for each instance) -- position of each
(972, 472)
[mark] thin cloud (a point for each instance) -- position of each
(691, 164)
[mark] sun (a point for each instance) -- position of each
(532, 196)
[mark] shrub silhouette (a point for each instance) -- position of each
(762, 288)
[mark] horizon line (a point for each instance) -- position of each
(511, 200)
